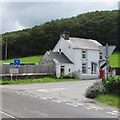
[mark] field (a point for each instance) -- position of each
(35, 59)
(32, 59)
(114, 62)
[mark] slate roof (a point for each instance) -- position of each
(59, 58)
(83, 43)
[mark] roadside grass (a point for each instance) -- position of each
(110, 99)
(31, 59)
(41, 80)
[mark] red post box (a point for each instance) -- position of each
(102, 73)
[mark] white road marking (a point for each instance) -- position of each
(96, 107)
(115, 111)
(79, 104)
(8, 115)
(43, 98)
(53, 89)
(42, 90)
(56, 101)
(62, 100)
(71, 104)
(112, 113)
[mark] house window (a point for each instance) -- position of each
(84, 68)
(93, 68)
(69, 70)
(100, 56)
(84, 54)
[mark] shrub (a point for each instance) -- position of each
(112, 84)
(95, 89)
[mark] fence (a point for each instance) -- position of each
(5, 69)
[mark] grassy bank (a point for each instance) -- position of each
(41, 80)
(110, 99)
(32, 59)
(114, 62)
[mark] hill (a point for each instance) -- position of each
(99, 25)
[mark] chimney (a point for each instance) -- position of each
(65, 35)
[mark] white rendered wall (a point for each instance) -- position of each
(75, 55)
(93, 56)
(65, 48)
(66, 69)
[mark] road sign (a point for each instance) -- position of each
(13, 71)
(104, 51)
(107, 51)
(17, 63)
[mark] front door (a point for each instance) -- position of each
(62, 71)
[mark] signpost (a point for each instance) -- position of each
(107, 51)
(16, 67)
(13, 71)
(17, 63)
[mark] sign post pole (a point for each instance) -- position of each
(107, 65)
(107, 51)
(11, 77)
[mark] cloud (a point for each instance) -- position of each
(21, 15)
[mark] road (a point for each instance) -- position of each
(53, 100)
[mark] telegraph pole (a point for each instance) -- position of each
(6, 50)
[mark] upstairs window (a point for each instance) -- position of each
(100, 56)
(84, 55)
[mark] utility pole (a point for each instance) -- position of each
(6, 46)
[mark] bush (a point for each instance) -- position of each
(95, 89)
(112, 84)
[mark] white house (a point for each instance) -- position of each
(74, 56)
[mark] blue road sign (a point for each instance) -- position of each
(17, 63)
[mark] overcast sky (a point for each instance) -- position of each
(20, 15)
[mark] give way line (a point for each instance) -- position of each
(8, 115)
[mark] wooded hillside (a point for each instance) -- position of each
(99, 25)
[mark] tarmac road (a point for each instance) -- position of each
(53, 100)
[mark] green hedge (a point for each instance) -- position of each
(112, 84)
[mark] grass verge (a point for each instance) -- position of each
(41, 80)
(110, 99)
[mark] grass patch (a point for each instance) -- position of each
(114, 62)
(41, 80)
(110, 99)
(32, 59)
